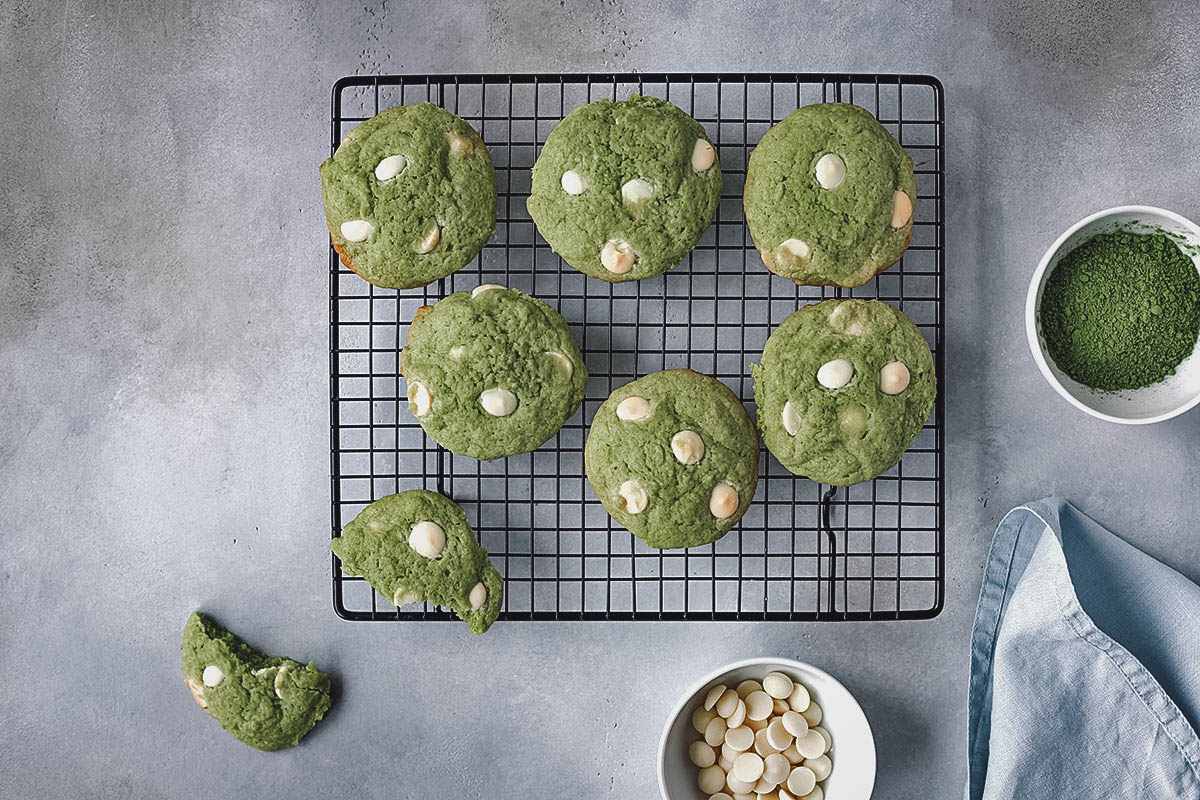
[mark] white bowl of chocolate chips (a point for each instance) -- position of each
(1114, 330)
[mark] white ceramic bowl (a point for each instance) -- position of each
(1163, 400)
(852, 753)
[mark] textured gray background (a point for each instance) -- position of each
(163, 422)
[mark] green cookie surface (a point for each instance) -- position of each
(829, 196)
(855, 432)
(389, 543)
(267, 702)
(673, 457)
(410, 196)
(639, 174)
(492, 372)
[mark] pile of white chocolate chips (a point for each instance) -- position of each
(761, 741)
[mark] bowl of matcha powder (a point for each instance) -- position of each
(1113, 314)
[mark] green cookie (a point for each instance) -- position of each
(829, 196)
(268, 703)
(492, 372)
(844, 388)
(624, 190)
(416, 547)
(673, 457)
(410, 196)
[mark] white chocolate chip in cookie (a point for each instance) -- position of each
(562, 361)
(724, 501)
(485, 287)
(573, 182)
(847, 317)
(420, 399)
(790, 419)
(357, 230)
(280, 681)
(212, 675)
(894, 377)
(197, 690)
(835, 374)
(853, 420)
(429, 241)
(498, 402)
(688, 448)
(636, 193)
(830, 171)
(427, 538)
(793, 252)
(457, 351)
(460, 145)
(633, 409)
(703, 155)
(403, 596)
(901, 209)
(390, 167)
(478, 596)
(634, 498)
(617, 256)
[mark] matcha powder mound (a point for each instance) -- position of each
(1121, 310)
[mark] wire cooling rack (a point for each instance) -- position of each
(803, 551)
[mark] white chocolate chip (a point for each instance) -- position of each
(799, 698)
(728, 751)
(636, 193)
(758, 705)
(793, 755)
(723, 503)
(726, 704)
(427, 538)
(825, 736)
(485, 287)
(756, 725)
(390, 167)
(403, 596)
(212, 675)
(776, 768)
(746, 687)
(793, 251)
(700, 719)
(279, 681)
(853, 420)
(478, 596)
(634, 498)
(460, 145)
(763, 789)
(790, 419)
(617, 256)
(780, 706)
(778, 735)
(739, 714)
(429, 241)
(901, 209)
(457, 351)
(714, 732)
(821, 766)
(703, 155)
(794, 722)
(702, 755)
(420, 399)
(711, 779)
(739, 787)
(847, 317)
(894, 377)
(714, 694)
(777, 685)
(830, 171)
(720, 796)
(562, 361)
(801, 781)
(762, 745)
(835, 374)
(633, 409)
(499, 402)
(739, 739)
(688, 448)
(573, 182)
(811, 745)
(357, 230)
(784, 794)
(813, 714)
(748, 767)
(197, 690)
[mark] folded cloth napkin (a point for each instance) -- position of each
(1085, 666)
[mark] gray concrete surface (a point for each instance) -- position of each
(163, 436)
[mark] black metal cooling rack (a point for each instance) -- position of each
(804, 551)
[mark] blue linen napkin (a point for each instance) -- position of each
(1085, 666)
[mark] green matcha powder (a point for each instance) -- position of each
(1122, 310)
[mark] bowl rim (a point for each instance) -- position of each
(1035, 344)
(694, 689)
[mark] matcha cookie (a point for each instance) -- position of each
(843, 389)
(829, 196)
(623, 190)
(410, 196)
(269, 703)
(491, 372)
(673, 457)
(416, 547)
